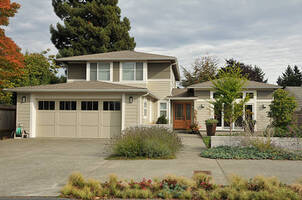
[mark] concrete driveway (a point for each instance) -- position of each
(40, 167)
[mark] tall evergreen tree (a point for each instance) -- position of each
(90, 26)
(291, 77)
(253, 73)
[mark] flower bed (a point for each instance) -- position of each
(171, 187)
(225, 152)
(150, 143)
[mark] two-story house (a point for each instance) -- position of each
(106, 93)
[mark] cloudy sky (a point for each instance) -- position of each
(267, 33)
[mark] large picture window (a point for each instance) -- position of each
(100, 71)
(132, 71)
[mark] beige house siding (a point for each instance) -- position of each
(159, 70)
(262, 119)
(265, 94)
(155, 111)
(77, 71)
(202, 94)
(132, 111)
(161, 89)
(23, 111)
(204, 113)
(116, 71)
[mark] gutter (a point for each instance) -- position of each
(75, 90)
(151, 95)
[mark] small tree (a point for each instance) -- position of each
(228, 97)
(282, 109)
(204, 69)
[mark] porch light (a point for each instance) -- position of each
(23, 99)
(263, 106)
(130, 99)
(201, 107)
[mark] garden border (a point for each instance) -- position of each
(286, 143)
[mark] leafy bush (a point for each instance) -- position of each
(140, 142)
(291, 131)
(162, 120)
(173, 187)
(207, 141)
(225, 152)
(211, 121)
(282, 109)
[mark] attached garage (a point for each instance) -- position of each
(78, 118)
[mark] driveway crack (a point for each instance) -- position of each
(222, 170)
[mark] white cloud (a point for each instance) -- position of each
(264, 33)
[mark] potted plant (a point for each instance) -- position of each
(211, 126)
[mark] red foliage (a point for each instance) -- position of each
(11, 58)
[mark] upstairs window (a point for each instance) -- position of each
(46, 105)
(100, 71)
(133, 71)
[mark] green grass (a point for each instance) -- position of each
(249, 153)
(207, 141)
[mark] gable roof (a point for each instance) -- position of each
(118, 55)
(249, 85)
(80, 86)
(126, 55)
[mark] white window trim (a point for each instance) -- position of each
(145, 115)
(97, 71)
(167, 109)
(145, 73)
(150, 113)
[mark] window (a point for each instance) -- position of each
(46, 105)
(112, 105)
(68, 105)
(250, 94)
(93, 71)
(163, 109)
(145, 108)
(89, 105)
(100, 71)
(104, 72)
(133, 71)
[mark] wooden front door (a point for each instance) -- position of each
(182, 116)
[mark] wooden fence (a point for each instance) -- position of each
(7, 120)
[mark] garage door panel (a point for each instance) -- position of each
(67, 118)
(89, 131)
(105, 132)
(66, 131)
(46, 118)
(112, 119)
(87, 118)
(46, 131)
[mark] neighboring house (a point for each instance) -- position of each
(106, 93)
(297, 93)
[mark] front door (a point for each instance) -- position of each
(182, 115)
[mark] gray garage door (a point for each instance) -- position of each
(78, 118)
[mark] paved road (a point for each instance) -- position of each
(40, 167)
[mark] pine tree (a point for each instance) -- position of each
(291, 77)
(90, 26)
(253, 73)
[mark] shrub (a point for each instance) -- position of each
(203, 181)
(140, 142)
(225, 152)
(211, 121)
(76, 179)
(162, 120)
(173, 187)
(282, 109)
